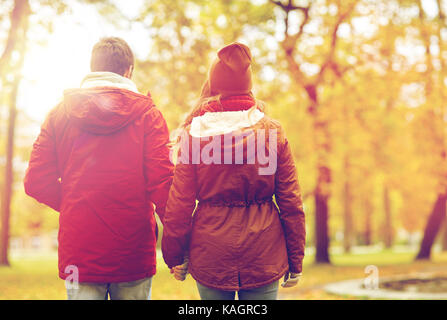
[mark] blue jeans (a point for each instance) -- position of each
(267, 292)
(133, 290)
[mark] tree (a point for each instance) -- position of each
(16, 43)
(312, 86)
(435, 114)
(185, 37)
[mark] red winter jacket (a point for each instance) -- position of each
(248, 228)
(102, 161)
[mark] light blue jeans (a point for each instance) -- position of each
(133, 290)
(267, 292)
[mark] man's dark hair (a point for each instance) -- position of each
(111, 54)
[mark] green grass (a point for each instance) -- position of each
(31, 278)
(36, 277)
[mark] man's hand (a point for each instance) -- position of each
(290, 279)
(181, 271)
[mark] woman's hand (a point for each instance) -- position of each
(290, 279)
(181, 271)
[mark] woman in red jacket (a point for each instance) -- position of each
(247, 230)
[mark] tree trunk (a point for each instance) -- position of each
(388, 224)
(444, 236)
(321, 228)
(348, 223)
(20, 11)
(368, 222)
(9, 179)
(322, 145)
(432, 228)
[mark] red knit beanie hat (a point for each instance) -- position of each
(230, 73)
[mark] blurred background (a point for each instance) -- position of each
(359, 86)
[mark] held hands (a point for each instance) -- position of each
(290, 279)
(181, 271)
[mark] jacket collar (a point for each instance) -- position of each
(108, 79)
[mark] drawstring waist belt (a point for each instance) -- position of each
(239, 204)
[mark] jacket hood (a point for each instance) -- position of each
(104, 110)
(218, 123)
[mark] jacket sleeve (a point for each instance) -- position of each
(158, 168)
(178, 218)
(42, 176)
(288, 198)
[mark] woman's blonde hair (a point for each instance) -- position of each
(196, 110)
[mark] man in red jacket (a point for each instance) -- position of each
(102, 160)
